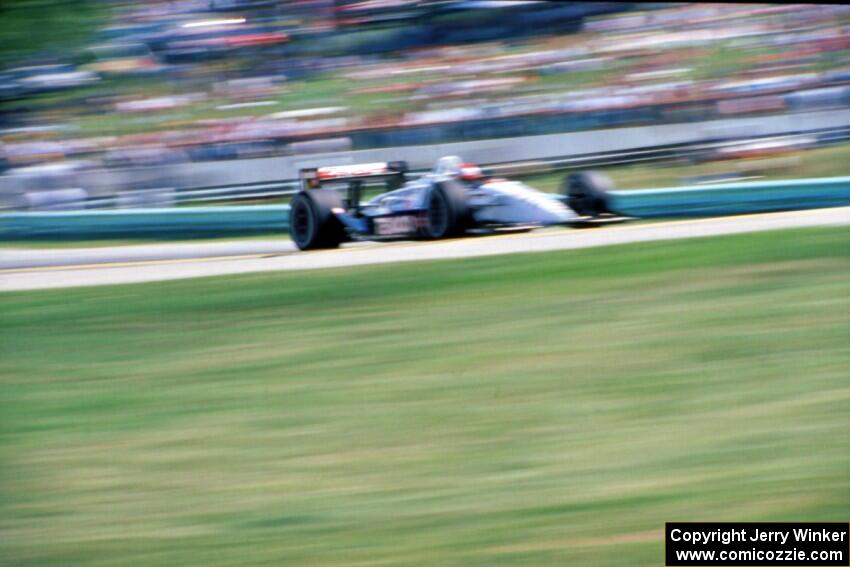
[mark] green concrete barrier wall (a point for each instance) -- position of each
(188, 222)
(732, 198)
(193, 222)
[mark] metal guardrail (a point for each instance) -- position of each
(288, 187)
(679, 151)
(273, 178)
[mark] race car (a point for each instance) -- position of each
(453, 199)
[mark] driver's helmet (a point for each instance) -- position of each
(470, 172)
(453, 166)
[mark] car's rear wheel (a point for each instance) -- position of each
(448, 213)
(312, 223)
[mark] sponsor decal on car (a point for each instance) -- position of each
(358, 170)
(385, 226)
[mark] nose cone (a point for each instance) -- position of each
(520, 204)
(554, 212)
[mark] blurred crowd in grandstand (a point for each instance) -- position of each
(196, 80)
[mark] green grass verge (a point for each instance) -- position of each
(542, 409)
(53, 26)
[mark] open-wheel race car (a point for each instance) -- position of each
(453, 199)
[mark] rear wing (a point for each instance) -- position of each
(392, 172)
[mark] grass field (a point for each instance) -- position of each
(550, 409)
(52, 26)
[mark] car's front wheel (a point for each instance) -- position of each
(448, 213)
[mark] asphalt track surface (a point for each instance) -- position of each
(72, 267)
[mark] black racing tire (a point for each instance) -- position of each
(312, 223)
(586, 192)
(448, 212)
